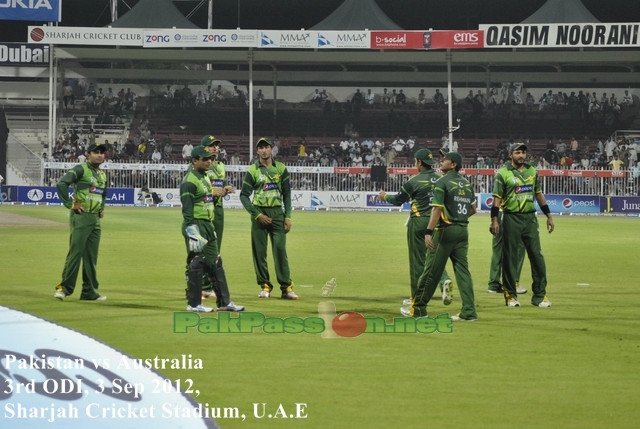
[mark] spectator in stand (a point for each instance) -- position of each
(394, 97)
(260, 99)
(209, 96)
(615, 163)
(67, 95)
(399, 145)
(530, 101)
(422, 98)
(385, 97)
(128, 101)
(142, 149)
(411, 142)
(186, 150)
(401, 98)
(627, 99)
(390, 155)
(219, 94)
(574, 148)
(200, 99)
(438, 98)
(610, 148)
(156, 156)
(316, 97)
(235, 159)
(369, 98)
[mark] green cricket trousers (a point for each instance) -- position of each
(259, 236)
(418, 250)
(522, 229)
(452, 242)
(84, 242)
(495, 269)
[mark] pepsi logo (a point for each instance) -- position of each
(567, 203)
(489, 201)
(37, 34)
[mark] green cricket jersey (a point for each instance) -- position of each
(419, 189)
(196, 198)
(218, 176)
(270, 187)
(89, 188)
(456, 197)
(517, 189)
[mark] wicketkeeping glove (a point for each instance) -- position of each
(196, 241)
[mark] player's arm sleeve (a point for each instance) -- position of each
(498, 186)
(187, 196)
(245, 193)
(104, 196)
(398, 199)
(438, 196)
(65, 182)
(536, 185)
(286, 193)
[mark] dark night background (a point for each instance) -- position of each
(296, 14)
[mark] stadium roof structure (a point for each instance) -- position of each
(357, 15)
(153, 14)
(561, 12)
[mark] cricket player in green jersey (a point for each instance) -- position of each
(87, 208)
(419, 189)
(268, 180)
(197, 198)
(447, 236)
(495, 268)
(516, 189)
(218, 177)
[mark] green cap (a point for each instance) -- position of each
(200, 152)
(264, 141)
(209, 140)
(97, 147)
(455, 157)
(517, 146)
(425, 156)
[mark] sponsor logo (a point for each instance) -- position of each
(352, 38)
(95, 190)
(35, 194)
(24, 54)
(217, 183)
(394, 40)
(215, 38)
(295, 37)
(177, 37)
(234, 37)
(523, 189)
(323, 41)
(617, 174)
(316, 201)
(266, 41)
(208, 198)
(489, 201)
(157, 38)
(558, 172)
(37, 34)
(465, 38)
(269, 186)
(26, 4)
(567, 203)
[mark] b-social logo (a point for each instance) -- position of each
(35, 195)
(567, 203)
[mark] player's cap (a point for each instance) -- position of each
(517, 146)
(97, 147)
(264, 142)
(425, 156)
(209, 140)
(455, 157)
(200, 152)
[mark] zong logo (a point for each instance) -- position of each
(157, 38)
(220, 38)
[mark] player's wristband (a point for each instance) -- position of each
(495, 211)
(429, 232)
(545, 209)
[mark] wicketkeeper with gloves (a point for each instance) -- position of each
(197, 198)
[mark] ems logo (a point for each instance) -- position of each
(35, 195)
(567, 203)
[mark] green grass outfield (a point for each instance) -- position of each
(574, 365)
